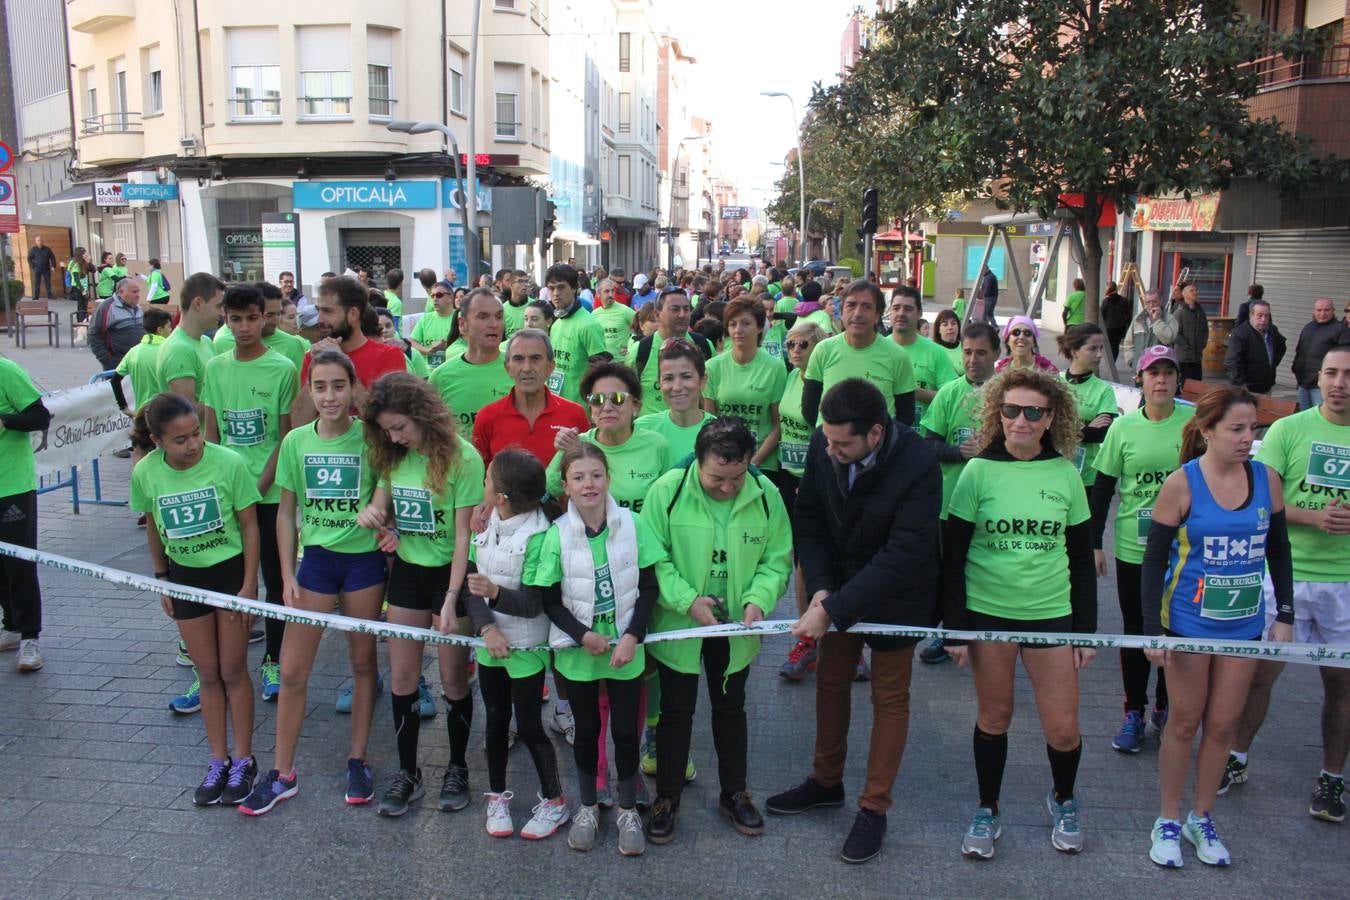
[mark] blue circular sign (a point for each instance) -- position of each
(6, 157)
(6, 192)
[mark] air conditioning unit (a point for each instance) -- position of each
(188, 143)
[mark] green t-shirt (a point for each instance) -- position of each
(633, 466)
(952, 417)
(426, 520)
(748, 391)
(433, 327)
(881, 362)
(616, 320)
(141, 365)
(774, 336)
(576, 337)
(417, 364)
(513, 317)
(18, 475)
(332, 483)
(107, 280)
(1312, 456)
(157, 292)
(394, 304)
(249, 399)
(1021, 511)
(796, 437)
(575, 663)
(932, 368)
(958, 358)
(959, 307)
(520, 664)
(1140, 454)
(468, 387)
(821, 318)
(1094, 398)
(183, 356)
(1075, 312)
(680, 439)
(291, 346)
(194, 510)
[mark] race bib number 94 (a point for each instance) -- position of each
(1329, 466)
(413, 511)
(190, 514)
(245, 427)
(330, 477)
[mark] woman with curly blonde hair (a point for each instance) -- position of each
(428, 479)
(1018, 557)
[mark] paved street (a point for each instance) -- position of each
(96, 777)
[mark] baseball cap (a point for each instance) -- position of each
(639, 281)
(307, 316)
(1157, 353)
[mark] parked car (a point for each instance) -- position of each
(725, 251)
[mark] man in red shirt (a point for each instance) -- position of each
(340, 303)
(529, 417)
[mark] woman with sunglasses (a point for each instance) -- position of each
(948, 336)
(1083, 345)
(1019, 347)
(683, 377)
(748, 382)
(1019, 516)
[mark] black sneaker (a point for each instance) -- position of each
(934, 653)
(864, 840)
(403, 790)
(454, 789)
(243, 772)
(661, 822)
(1328, 799)
(807, 795)
(209, 791)
(740, 809)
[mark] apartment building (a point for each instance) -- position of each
(629, 131)
(684, 156)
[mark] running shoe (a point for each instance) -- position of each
(271, 679)
(984, 829)
(604, 797)
(564, 724)
(800, 662)
(585, 826)
(454, 789)
(632, 839)
(935, 652)
(183, 659)
(642, 797)
(543, 694)
(268, 792)
(426, 704)
(864, 672)
(1157, 721)
(1166, 849)
(344, 700)
(549, 816)
(1201, 832)
(690, 773)
(1328, 799)
(404, 789)
(30, 656)
(1130, 737)
(649, 751)
(256, 635)
(1233, 773)
(1065, 836)
(243, 772)
(360, 782)
(10, 640)
(499, 823)
(208, 792)
(190, 701)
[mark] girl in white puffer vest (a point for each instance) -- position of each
(508, 613)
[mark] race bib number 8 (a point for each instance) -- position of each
(245, 427)
(413, 511)
(332, 477)
(191, 514)
(1329, 466)
(1231, 596)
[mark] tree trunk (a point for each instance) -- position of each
(1092, 263)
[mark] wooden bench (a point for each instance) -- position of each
(1268, 409)
(35, 314)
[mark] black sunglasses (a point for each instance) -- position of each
(1011, 411)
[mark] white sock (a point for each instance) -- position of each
(1333, 774)
(1240, 757)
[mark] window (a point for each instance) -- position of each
(380, 71)
(536, 108)
(506, 115)
(625, 175)
(625, 49)
(90, 95)
(325, 71)
(255, 73)
(154, 81)
(119, 94)
(457, 64)
(325, 94)
(506, 87)
(625, 113)
(504, 4)
(380, 100)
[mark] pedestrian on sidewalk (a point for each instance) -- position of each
(1316, 338)
(1255, 349)
(117, 325)
(1192, 332)
(21, 412)
(41, 261)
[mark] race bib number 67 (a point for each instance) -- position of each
(1329, 466)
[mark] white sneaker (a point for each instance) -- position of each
(1166, 849)
(549, 816)
(585, 825)
(30, 657)
(499, 823)
(563, 723)
(1200, 831)
(9, 640)
(632, 839)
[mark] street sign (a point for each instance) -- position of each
(561, 202)
(735, 212)
(280, 245)
(6, 157)
(110, 193)
(9, 205)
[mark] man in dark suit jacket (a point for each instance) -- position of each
(1255, 349)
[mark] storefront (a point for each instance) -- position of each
(1182, 243)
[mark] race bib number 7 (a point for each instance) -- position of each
(332, 477)
(413, 511)
(1231, 596)
(189, 514)
(1329, 466)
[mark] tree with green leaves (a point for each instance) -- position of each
(1027, 101)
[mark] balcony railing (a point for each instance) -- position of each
(113, 122)
(1277, 71)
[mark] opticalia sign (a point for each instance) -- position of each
(364, 194)
(120, 193)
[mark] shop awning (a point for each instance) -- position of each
(580, 238)
(80, 193)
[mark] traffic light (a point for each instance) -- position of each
(550, 219)
(869, 211)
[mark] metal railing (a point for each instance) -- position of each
(1276, 70)
(115, 122)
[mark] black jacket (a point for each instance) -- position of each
(41, 259)
(1247, 363)
(1116, 311)
(1313, 343)
(875, 547)
(1192, 332)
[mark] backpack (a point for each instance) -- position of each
(645, 349)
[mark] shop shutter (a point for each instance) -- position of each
(1296, 269)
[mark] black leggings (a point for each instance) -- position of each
(624, 697)
(501, 693)
(1134, 665)
(726, 696)
(270, 556)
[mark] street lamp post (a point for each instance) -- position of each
(468, 195)
(801, 169)
(674, 171)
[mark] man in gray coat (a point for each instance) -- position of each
(115, 326)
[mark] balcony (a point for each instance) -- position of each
(93, 16)
(111, 138)
(1309, 95)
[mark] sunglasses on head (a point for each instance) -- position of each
(1011, 411)
(677, 342)
(617, 398)
(1020, 332)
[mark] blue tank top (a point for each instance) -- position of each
(1213, 584)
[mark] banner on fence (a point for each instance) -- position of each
(86, 424)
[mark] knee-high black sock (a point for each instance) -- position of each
(991, 755)
(1064, 770)
(458, 721)
(407, 728)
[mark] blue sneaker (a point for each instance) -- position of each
(1157, 721)
(1130, 737)
(344, 700)
(271, 679)
(190, 701)
(1200, 831)
(979, 838)
(1066, 836)
(426, 704)
(209, 791)
(934, 653)
(268, 792)
(360, 782)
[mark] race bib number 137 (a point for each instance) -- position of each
(189, 514)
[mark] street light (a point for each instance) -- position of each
(674, 169)
(801, 165)
(468, 205)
